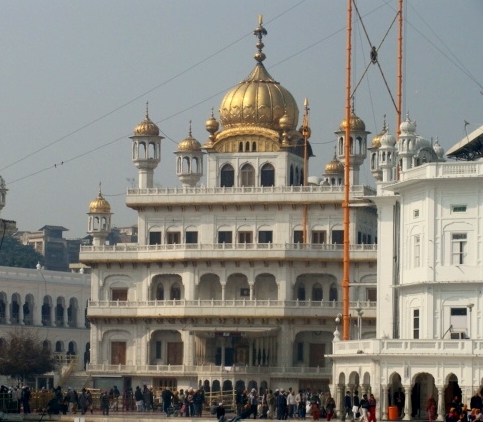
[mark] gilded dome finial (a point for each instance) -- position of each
(147, 109)
(259, 32)
(189, 133)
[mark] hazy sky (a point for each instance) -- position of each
(75, 77)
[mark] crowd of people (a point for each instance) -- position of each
(282, 405)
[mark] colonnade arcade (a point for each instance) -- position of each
(61, 312)
(314, 287)
(416, 394)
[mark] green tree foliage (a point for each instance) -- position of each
(14, 254)
(23, 355)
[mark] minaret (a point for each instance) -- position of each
(387, 157)
(99, 221)
(358, 146)
(407, 143)
(189, 161)
(146, 150)
(374, 156)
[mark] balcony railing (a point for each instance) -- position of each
(222, 308)
(273, 190)
(409, 347)
(134, 247)
(305, 371)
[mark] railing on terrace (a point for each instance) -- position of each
(134, 247)
(443, 170)
(356, 189)
(231, 303)
(409, 347)
(210, 369)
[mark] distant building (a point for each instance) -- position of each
(58, 252)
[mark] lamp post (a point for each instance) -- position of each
(470, 307)
(360, 312)
(337, 332)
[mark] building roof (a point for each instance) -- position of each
(470, 148)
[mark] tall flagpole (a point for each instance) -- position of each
(346, 262)
(399, 70)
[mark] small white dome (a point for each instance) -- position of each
(422, 142)
(388, 140)
(438, 149)
(408, 126)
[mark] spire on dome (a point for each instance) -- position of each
(259, 32)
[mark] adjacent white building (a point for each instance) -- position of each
(52, 306)
(429, 277)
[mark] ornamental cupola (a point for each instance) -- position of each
(146, 150)
(189, 161)
(99, 219)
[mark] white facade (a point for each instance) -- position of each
(429, 282)
(225, 289)
(52, 305)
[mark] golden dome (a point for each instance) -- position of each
(259, 100)
(147, 127)
(189, 143)
(99, 204)
(357, 124)
(334, 167)
(376, 141)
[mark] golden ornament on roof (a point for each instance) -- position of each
(334, 167)
(147, 127)
(259, 100)
(357, 124)
(99, 204)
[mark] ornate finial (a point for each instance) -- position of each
(384, 126)
(100, 190)
(335, 152)
(147, 109)
(212, 112)
(189, 133)
(305, 123)
(259, 32)
(353, 107)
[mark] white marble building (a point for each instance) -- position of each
(51, 305)
(233, 283)
(429, 277)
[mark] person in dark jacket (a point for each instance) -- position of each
(220, 413)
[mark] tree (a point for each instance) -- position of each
(14, 254)
(23, 355)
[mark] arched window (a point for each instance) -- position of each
(175, 292)
(291, 183)
(317, 294)
(227, 176)
(301, 292)
(240, 147)
(333, 292)
(247, 175)
(267, 175)
(159, 292)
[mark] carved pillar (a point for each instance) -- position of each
(384, 404)
(7, 313)
(188, 347)
(223, 287)
(408, 410)
(440, 405)
(251, 290)
(64, 317)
